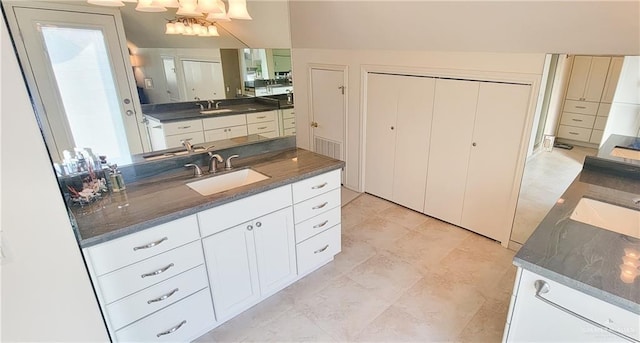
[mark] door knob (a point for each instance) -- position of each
(314, 124)
(392, 128)
(474, 144)
(129, 113)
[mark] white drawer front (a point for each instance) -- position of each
(603, 109)
(317, 224)
(575, 133)
(288, 113)
(600, 123)
(226, 121)
(183, 321)
(174, 141)
(128, 280)
(289, 123)
(228, 215)
(182, 127)
(579, 120)
(258, 128)
(316, 205)
(261, 117)
(584, 107)
(318, 249)
(138, 246)
(156, 297)
(290, 132)
(596, 136)
(305, 189)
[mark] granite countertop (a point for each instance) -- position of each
(167, 116)
(146, 204)
(582, 256)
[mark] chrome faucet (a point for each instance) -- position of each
(213, 162)
(227, 165)
(187, 144)
(201, 106)
(218, 104)
(197, 171)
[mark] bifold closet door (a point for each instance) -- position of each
(451, 133)
(497, 140)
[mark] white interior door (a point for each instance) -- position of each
(497, 139)
(328, 112)
(203, 80)
(77, 67)
(451, 133)
(169, 65)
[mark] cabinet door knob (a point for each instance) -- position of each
(129, 113)
(249, 227)
(258, 224)
(474, 144)
(392, 128)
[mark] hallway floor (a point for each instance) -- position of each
(401, 276)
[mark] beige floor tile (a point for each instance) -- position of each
(371, 205)
(347, 195)
(378, 232)
(487, 325)
(396, 325)
(354, 252)
(290, 326)
(403, 216)
(421, 251)
(343, 309)
(312, 283)
(386, 275)
(352, 216)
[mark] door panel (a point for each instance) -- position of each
(382, 107)
(328, 112)
(413, 128)
(597, 78)
(169, 66)
(84, 92)
(203, 80)
(451, 133)
(578, 78)
(498, 132)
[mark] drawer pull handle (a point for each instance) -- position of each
(576, 119)
(151, 245)
(582, 107)
(262, 127)
(183, 127)
(317, 207)
(319, 186)
(321, 250)
(542, 287)
(321, 224)
(261, 117)
(159, 271)
(573, 133)
(172, 330)
(164, 297)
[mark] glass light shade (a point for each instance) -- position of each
(218, 17)
(188, 9)
(213, 31)
(188, 31)
(238, 10)
(207, 6)
(169, 3)
(110, 3)
(197, 28)
(180, 28)
(171, 29)
(150, 6)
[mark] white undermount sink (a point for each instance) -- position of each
(626, 153)
(607, 216)
(224, 182)
(223, 110)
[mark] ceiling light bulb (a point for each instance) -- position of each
(150, 6)
(171, 29)
(207, 6)
(213, 31)
(110, 3)
(188, 9)
(238, 10)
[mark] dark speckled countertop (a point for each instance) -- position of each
(189, 114)
(581, 256)
(147, 204)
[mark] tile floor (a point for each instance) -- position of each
(546, 176)
(401, 277)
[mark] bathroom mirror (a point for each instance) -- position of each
(87, 52)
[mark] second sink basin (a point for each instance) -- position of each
(223, 110)
(607, 216)
(224, 182)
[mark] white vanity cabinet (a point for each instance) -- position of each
(263, 123)
(171, 135)
(288, 122)
(543, 310)
(226, 127)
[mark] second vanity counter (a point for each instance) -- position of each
(144, 205)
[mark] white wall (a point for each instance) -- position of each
(451, 63)
(46, 292)
(624, 117)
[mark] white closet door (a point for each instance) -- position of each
(413, 128)
(579, 77)
(489, 204)
(382, 107)
(451, 133)
(597, 77)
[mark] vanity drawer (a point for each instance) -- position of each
(261, 117)
(575, 133)
(289, 123)
(316, 205)
(182, 127)
(138, 246)
(226, 121)
(231, 214)
(317, 224)
(579, 120)
(176, 140)
(318, 249)
(583, 107)
(156, 297)
(603, 110)
(183, 321)
(290, 132)
(258, 128)
(308, 188)
(288, 113)
(125, 281)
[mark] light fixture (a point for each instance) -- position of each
(109, 3)
(150, 6)
(190, 26)
(238, 10)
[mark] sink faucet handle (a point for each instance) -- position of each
(213, 165)
(201, 106)
(197, 171)
(187, 144)
(227, 165)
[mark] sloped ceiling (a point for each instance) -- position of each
(594, 27)
(268, 29)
